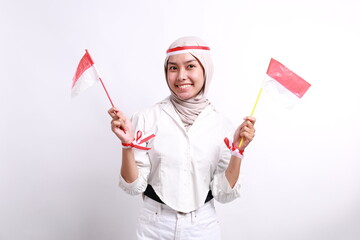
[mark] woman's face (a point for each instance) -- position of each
(185, 75)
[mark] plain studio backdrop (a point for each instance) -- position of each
(59, 160)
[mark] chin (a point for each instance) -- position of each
(184, 97)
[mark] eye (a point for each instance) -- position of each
(191, 66)
(172, 68)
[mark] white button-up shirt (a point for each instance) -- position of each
(183, 165)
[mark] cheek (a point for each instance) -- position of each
(200, 78)
(170, 78)
(169, 83)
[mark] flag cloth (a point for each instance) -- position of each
(85, 76)
(283, 84)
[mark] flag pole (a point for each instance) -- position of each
(253, 110)
(107, 94)
(102, 83)
(256, 102)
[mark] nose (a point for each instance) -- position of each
(182, 75)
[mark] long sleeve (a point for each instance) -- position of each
(142, 162)
(220, 186)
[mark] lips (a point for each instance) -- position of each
(183, 86)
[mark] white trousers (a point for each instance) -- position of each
(159, 222)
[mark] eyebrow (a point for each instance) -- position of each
(189, 61)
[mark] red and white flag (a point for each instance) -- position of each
(283, 84)
(86, 75)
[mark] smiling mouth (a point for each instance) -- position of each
(184, 86)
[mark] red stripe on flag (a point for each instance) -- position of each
(287, 78)
(187, 48)
(85, 63)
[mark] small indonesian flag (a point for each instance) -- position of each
(86, 75)
(283, 84)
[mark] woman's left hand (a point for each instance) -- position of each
(246, 131)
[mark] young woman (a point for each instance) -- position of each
(187, 164)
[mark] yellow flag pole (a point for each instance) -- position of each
(252, 112)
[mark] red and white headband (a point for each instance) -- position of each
(186, 49)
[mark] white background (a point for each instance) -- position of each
(59, 161)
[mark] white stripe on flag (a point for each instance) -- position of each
(86, 80)
(279, 93)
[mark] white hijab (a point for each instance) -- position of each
(189, 109)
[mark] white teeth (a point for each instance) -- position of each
(184, 86)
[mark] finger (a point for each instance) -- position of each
(116, 124)
(114, 112)
(111, 111)
(248, 137)
(247, 122)
(120, 124)
(119, 115)
(247, 127)
(250, 118)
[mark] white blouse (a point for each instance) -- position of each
(183, 165)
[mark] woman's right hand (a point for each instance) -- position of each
(121, 125)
